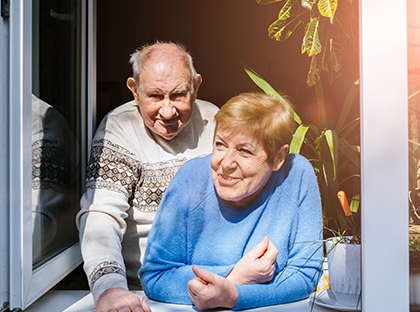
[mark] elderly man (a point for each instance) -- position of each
(136, 151)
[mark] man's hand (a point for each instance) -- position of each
(257, 266)
(208, 290)
(120, 300)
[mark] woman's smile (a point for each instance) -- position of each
(239, 167)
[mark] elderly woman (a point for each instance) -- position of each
(242, 227)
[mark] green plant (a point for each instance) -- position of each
(333, 152)
(329, 36)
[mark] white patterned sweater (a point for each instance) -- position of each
(129, 170)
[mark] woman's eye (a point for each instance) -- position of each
(218, 144)
(245, 151)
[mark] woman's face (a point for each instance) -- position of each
(239, 166)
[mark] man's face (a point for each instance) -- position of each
(164, 97)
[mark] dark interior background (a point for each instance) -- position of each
(220, 34)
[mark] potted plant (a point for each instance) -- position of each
(414, 267)
(414, 202)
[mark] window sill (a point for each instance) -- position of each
(82, 301)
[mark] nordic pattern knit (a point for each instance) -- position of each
(129, 170)
(195, 227)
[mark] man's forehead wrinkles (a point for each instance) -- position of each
(163, 90)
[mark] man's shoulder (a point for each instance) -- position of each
(124, 113)
(129, 107)
(206, 106)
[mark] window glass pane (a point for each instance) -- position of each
(413, 32)
(55, 126)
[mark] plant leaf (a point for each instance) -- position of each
(314, 73)
(327, 8)
(264, 2)
(354, 203)
(298, 139)
(348, 102)
(289, 18)
(268, 89)
(349, 151)
(332, 142)
(311, 43)
(319, 91)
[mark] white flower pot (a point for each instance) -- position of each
(344, 267)
(415, 288)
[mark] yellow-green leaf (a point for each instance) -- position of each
(289, 18)
(311, 43)
(268, 89)
(285, 11)
(355, 202)
(314, 73)
(298, 139)
(327, 8)
(332, 142)
(264, 2)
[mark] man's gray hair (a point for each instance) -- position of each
(144, 53)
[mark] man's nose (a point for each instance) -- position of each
(167, 110)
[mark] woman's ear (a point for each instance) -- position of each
(281, 155)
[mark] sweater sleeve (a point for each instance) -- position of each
(297, 277)
(101, 220)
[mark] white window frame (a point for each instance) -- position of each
(4, 160)
(384, 155)
(25, 284)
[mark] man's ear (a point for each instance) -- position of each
(197, 83)
(131, 84)
(280, 156)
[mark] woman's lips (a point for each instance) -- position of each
(227, 180)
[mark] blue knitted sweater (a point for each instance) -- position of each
(193, 226)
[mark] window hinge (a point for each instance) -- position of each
(5, 8)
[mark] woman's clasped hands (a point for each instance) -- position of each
(209, 290)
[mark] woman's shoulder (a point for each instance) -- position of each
(297, 165)
(196, 166)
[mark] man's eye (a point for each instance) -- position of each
(177, 96)
(156, 96)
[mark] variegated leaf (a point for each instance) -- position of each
(311, 43)
(289, 18)
(335, 63)
(314, 73)
(264, 2)
(327, 8)
(281, 30)
(285, 11)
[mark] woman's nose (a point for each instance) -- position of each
(228, 161)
